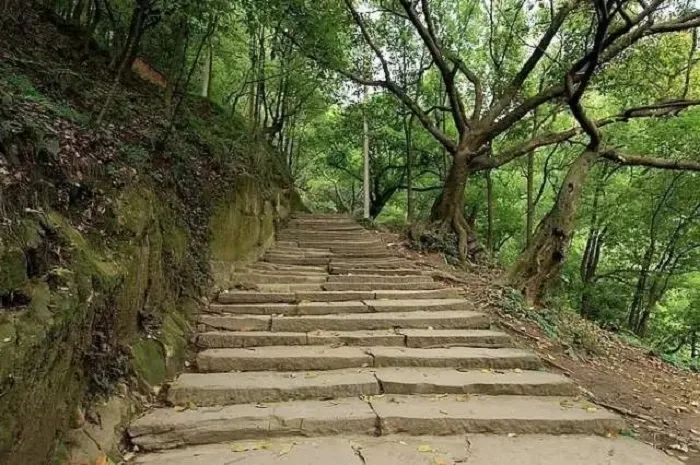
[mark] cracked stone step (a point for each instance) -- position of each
(446, 338)
(252, 387)
(276, 278)
(297, 260)
(283, 358)
(385, 320)
(397, 338)
(241, 339)
(460, 414)
(340, 307)
(336, 270)
(428, 283)
(411, 305)
(488, 382)
(302, 308)
(288, 287)
(169, 428)
(245, 297)
(236, 322)
(288, 268)
(370, 278)
(456, 357)
(476, 449)
(304, 358)
(209, 389)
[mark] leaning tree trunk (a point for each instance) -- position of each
(448, 210)
(540, 263)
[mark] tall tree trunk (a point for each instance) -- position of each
(694, 344)
(530, 214)
(540, 264)
(207, 74)
(448, 209)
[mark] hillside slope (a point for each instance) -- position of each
(105, 237)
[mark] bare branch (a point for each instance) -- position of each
(616, 156)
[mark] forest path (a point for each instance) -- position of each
(346, 354)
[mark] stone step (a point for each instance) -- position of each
(452, 319)
(304, 358)
(168, 428)
(211, 389)
(291, 287)
(270, 386)
(276, 278)
(244, 297)
(350, 306)
(289, 260)
(287, 268)
(426, 284)
(477, 449)
(372, 278)
(413, 415)
(251, 297)
(331, 244)
(459, 414)
(336, 270)
(483, 382)
(414, 338)
(387, 263)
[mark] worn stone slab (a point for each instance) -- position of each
(276, 278)
(456, 337)
(460, 414)
(384, 320)
(368, 278)
(298, 260)
(339, 270)
(489, 382)
(337, 296)
(356, 338)
(327, 308)
(456, 357)
(287, 451)
(292, 288)
(283, 358)
(374, 285)
(255, 309)
(480, 449)
(443, 293)
(413, 305)
(236, 322)
(239, 388)
(250, 297)
(286, 268)
(241, 339)
(475, 449)
(168, 428)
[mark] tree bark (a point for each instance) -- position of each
(207, 74)
(539, 265)
(530, 215)
(448, 209)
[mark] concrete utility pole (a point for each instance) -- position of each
(365, 153)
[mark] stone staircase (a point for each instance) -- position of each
(348, 355)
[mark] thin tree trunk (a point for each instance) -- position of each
(540, 264)
(136, 30)
(177, 61)
(365, 157)
(408, 122)
(206, 78)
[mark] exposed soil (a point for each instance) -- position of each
(660, 402)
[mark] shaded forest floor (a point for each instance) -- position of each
(660, 402)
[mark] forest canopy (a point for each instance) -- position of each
(555, 138)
